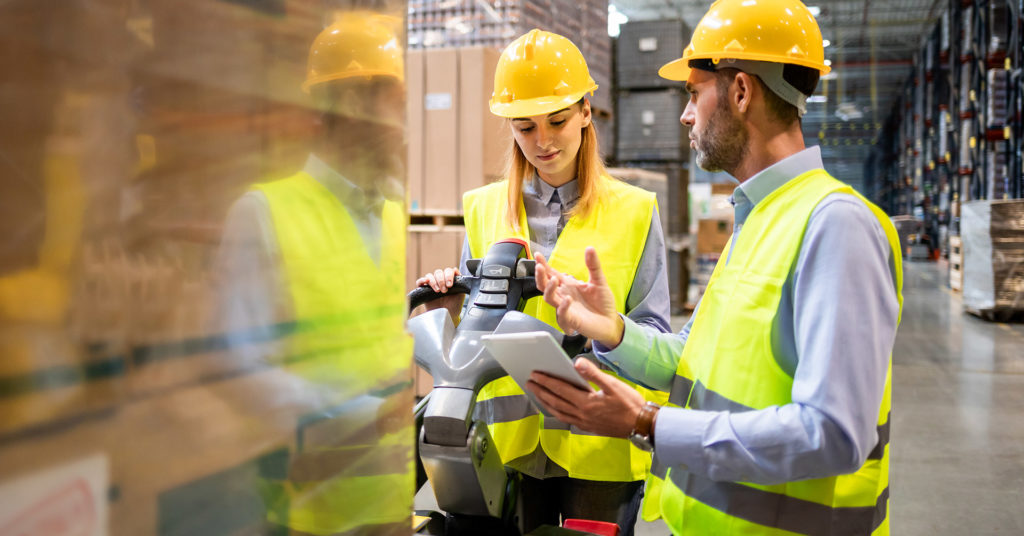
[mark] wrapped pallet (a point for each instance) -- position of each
(992, 234)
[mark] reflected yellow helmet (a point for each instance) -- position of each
(360, 43)
(778, 31)
(539, 73)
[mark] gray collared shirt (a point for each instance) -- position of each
(547, 211)
(834, 333)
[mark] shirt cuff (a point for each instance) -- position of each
(634, 343)
(679, 438)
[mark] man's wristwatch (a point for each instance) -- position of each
(643, 431)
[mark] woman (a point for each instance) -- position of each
(558, 196)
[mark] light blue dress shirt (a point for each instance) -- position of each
(834, 332)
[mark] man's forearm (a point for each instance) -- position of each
(643, 355)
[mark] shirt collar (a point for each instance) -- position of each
(348, 193)
(769, 179)
(568, 193)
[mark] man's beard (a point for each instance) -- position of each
(723, 144)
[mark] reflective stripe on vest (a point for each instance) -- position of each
(617, 228)
(736, 371)
(349, 344)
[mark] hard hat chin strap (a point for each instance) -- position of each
(771, 74)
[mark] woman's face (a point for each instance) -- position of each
(551, 142)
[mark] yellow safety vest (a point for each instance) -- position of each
(617, 228)
(348, 345)
(725, 369)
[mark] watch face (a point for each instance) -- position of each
(641, 442)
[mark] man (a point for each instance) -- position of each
(778, 417)
(314, 267)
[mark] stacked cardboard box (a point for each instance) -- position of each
(455, 144)
(997, 88)
(997, 170)
(993, 256)
(495, 23)
(712, 226)
(432, 247)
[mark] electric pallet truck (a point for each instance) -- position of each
(455, 452)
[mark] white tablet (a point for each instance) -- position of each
(522, 353)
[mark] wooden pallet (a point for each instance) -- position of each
(437, 220)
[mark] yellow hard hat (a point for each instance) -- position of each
(778, 31)
(359, 43)
(539, 73)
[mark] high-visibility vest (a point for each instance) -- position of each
(617, 228)
(347, 345)
(728, 369)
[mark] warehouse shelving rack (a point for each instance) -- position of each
(940, 144)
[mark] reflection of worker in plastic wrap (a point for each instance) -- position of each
(314, 267)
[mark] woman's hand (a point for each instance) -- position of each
(441, 280)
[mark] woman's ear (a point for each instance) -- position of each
(587, 117)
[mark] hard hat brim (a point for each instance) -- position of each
(366, 73)
(679, 70)
(537, 106)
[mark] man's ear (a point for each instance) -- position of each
(745, 88)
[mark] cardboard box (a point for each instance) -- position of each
(441, 139)
(484, 138)
(439, 247)
(412, 260)
(414, 115)
(723, 188)
(179, 460)
(712, 235)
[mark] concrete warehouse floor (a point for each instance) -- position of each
(958, 418)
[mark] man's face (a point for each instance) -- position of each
(716, 133)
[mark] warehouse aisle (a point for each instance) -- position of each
(958, 416)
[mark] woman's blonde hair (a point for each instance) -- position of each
(589, 172)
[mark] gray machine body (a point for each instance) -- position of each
(457, 452)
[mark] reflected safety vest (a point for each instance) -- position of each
(350, 350)
(735, 370)
(617, 228)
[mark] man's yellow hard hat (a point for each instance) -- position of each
(778, 31)
(539, 73)
(359, 43)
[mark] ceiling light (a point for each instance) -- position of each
(817, 99)
(828, 62)
(825, 42)
(615, 19)
(815, 10)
